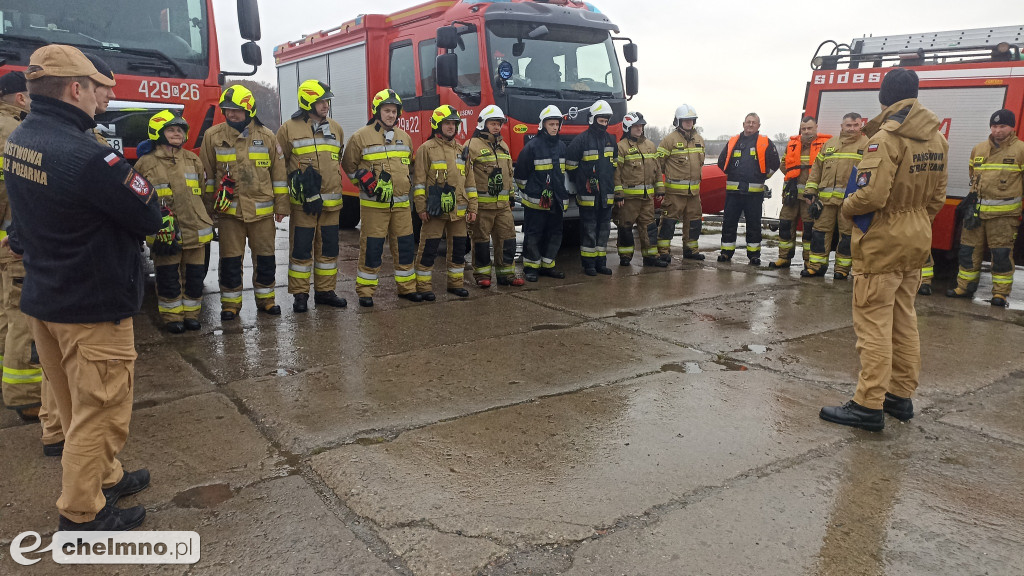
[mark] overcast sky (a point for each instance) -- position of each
(723, 58)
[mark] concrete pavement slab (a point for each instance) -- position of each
(329, 405)
(890, 503)
(996, 410)
(558, 469)
(430, 553)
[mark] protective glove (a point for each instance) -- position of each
(367, 180)
(495, 182)
(790, 191)
(167, 240)
(313, 203)
(814, 211)
(593, 187)
(658, 200)
(448, 199)
(385, 189)
(545, 199)
(225, 194)
(767, 194)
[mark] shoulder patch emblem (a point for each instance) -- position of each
(872, 147)
(136, 183)
(863, 178)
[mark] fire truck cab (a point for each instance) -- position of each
(519, 54)
(965, 76)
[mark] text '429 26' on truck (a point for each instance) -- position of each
(163, 53)
(965, 76)
(521, 55)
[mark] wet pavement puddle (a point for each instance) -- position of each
(208, 496)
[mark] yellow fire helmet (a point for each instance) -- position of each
(238, 97)
(442, 113)
(313, 91)
(385, 96)
(161, 120)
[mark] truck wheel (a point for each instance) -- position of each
(349, 216)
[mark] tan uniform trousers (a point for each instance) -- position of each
(637, 211)
(430, 235)
(497, 227)
(376, 227)
(21, 377)
(313, 250)
(685, 209)
(998, 235)
(794, 213)
(887, 339)
(928, 272)
(5, 289)
(826, 224)
(179, 284)
(233, 234)
(91, 373)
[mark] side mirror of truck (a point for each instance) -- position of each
(249, 19)
(251, 54)
(632, 81)
(447, 69)
(629, 52)
(447, 38)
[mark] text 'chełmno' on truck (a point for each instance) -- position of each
(164, 54)
(521, 55)
(965, 76)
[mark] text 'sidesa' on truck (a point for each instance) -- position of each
(519, 54)
(965, 76)
(164, 54)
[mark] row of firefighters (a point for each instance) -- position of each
(465, 193)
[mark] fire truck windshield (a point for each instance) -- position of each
(552, 59)
(138, 37)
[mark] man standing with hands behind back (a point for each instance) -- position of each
(901, 186)
(80, 207)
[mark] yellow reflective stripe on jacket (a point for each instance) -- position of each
(314, 145)
(841, 155)
(751, 187)
(22, 376)
(372, 153)
(996, 206)
(442, 165)
(259, 153)
(331, 200)
(225, 154)
(994, 166)
(163, 190)
(205, 235)
(264, 208)
(280, 187)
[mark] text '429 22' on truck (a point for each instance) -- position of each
(521, 55)
(965, 76)
(164, 54)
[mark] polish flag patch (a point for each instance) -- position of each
(112, 159)
(872, 147)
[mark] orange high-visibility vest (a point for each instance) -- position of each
(762, 151)
(793, 165)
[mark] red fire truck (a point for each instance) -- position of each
(966, 75)
(164, 54)
(519, 54)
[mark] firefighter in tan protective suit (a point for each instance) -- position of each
(682, 160)
(442, 203)
(997, 178)
(797, 193)
(637, 183)
(179, 249)
(901, 186)
(312, 143)
(827, 183)
(22, 376)
(246, 172)
(378, 160)
(489, 175)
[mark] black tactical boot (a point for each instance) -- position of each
(925, 290)
(329, 298)
(666, 258)
(131, 483)
(552, 273)
(754, 262)
(602, 269)
(274, 310)
(460, 292)
(428, 296)
(366, 301)
(109, 519)
(780, 263)
(693, 256)
(956, 293)
(999, 301)
(624, 261)
(55, 449)
(175, 327)
(855, 415)
(901, 409)
(226, 315)
(301, 303)
(192, 324)
(808, 273)
(412, 297)
(530, 274)
(655, 261)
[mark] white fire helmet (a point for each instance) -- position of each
(599, 108)
(633, 118)
(684, 112)
(550, 112)
(490, 112)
